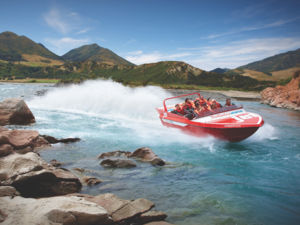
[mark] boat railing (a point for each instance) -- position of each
(179, 96)
(219, 110)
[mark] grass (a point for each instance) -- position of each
(32, 81)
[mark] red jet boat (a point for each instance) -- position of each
(231, 123)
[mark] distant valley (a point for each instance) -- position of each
(22, 58)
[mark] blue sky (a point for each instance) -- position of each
(205, 34)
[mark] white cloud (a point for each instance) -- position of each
(229, 55)
(65, 22)
(82, 31)
(138, 57)
(54, 19)
(61, 46)
(239, 53)
(252, 28)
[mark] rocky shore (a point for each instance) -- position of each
(287, 96)
(33, 191)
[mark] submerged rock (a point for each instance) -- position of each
(117, 153)
(53, 140)
(33, 177)
(147, 155)
(15, 111)
(117, 163)
(90, 181)
(143, 154)
(152, 216)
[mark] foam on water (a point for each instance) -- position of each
(267, 131)
(132, 108)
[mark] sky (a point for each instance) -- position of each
(205, 34)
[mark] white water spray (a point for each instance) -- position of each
(133, 108)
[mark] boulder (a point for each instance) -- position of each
(147, 155)
(18, 138)
(117, 153)
(287, 96)
(117, 163)
(53, 210)
(6, 149)
(33, 177)
(15, 111)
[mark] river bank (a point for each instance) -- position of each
(239, 95)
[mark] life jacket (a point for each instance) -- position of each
(180, 111)
(218, 105)
(188, 106)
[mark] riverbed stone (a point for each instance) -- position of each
(117, 163)
(15, 111)
(147, 155)
(53, 140)
(158, 223)
(152, 216)
(117, 153)
(90, 181)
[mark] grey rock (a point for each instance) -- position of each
(117, 163)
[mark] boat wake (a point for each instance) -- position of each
(266, 132)
(121, 106)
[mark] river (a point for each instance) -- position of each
(206, 181)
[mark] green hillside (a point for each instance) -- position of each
(167, 74)
(275, 63)
(13, 48)
(94, 53)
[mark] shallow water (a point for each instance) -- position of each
(207, 181)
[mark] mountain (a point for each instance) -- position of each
(278, 62)
(15, 48)
(220, 70)
(276, 68)
(94, 53)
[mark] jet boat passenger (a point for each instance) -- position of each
(198, 108)
(188, 108)
(228, 102)
(178, 110)
(215, 105)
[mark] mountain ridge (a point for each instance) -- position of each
(94, 52)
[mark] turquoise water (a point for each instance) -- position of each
(207, 181)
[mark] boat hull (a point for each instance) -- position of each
(226, 134)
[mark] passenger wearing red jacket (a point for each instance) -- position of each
(178, 110)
